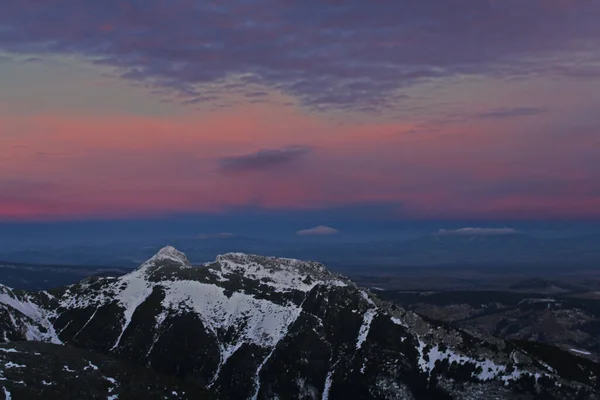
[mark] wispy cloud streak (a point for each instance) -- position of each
(263, 159)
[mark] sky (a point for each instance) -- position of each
(127, 110)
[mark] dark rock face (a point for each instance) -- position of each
(555, 315)
(251, 327)
(35, 370)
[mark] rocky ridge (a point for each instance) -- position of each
(247, 326)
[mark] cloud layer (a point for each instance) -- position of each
(328, 54)
(513, 112)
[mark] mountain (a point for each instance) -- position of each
(133, 253)
(435, 250)
(253, 327)
(464, 249)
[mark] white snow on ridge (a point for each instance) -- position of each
(281, 280)
(286, 275)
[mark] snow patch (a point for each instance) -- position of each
(365, 296)
(66, 368)
(489, 369)
(290, 321)
(328, 383)
(135, 293)
(258, 321)
(363, 367)
(90, 366)
(33, 312)
(365, 327)
(257, 375)
(8, 350)
(86, 323)
(11, 364)
(113, 381)
(587, 353)
(398, 321)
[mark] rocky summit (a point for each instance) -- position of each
(253, 327)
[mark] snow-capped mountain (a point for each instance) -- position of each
(252, 327)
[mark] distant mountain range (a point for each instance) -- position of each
(432, 250)
(253, 327)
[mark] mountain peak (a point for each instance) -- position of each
(169, 254)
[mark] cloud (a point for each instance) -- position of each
(328, 54)
(513, 112)
(262, 159)
(478, 231)
(320, 230)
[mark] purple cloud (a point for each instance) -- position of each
(513, 112)
(329, 54)
(262, 159)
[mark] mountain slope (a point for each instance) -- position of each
(24, 317)
(263, 328)
(35, 370)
